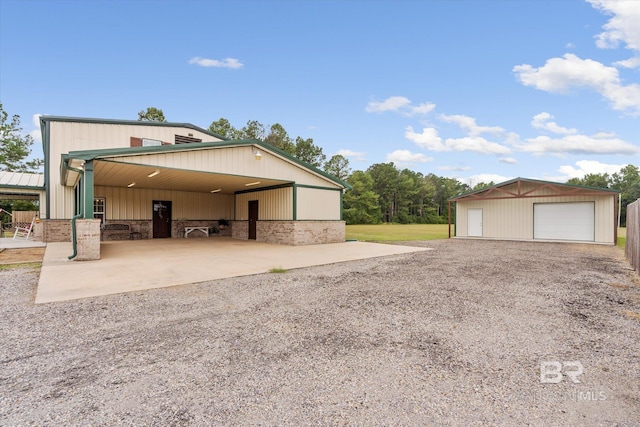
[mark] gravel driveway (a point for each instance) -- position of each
(453, 336)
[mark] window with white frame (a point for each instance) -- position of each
(98, 209)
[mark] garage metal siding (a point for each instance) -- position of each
(564, 221)
(513, 218)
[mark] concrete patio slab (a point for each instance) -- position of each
(9, 243)
(127, 266)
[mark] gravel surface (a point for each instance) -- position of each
(453, 336)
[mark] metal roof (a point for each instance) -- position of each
(45, 119)
(22, 180)
(113, 153)
(486, 193)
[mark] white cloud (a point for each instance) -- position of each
(623, 25)
(542, 121)
(424, 108)
(36, 134)
(224, 63)
(393, 103)
(578, 144)
(570, 45)
(430, 140)
(633, 62)
(455, 168)
(399, 104)
(585, 167)
(473, 180)
(559, 75)
(405, 157)
(355, 155)
(469, 124)
(508, 160)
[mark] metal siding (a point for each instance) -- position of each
(70, 136)
(238, 161)
(513, 218)
(135, 204)
(318, 204)
(275, 204)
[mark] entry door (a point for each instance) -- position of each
(474, 222)
(161, 219)
(253, 218)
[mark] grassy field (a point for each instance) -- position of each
(389, 232)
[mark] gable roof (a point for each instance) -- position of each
(499, 191)
(133, 151)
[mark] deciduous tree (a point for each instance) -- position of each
(15, 147)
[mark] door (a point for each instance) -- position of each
(161, 219)
(474, 222)
(253, 218)
(564, 221)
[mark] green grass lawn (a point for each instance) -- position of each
(622, 237)
(389, 232)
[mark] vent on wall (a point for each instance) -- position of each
(180, 139)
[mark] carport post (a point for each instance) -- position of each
(88, 189)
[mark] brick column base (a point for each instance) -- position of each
(88, 239)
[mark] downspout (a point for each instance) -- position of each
(74, 237)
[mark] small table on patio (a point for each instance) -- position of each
(188, 230)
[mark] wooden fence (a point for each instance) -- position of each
(19, 219)
(632, 245)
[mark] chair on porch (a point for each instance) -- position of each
(24, 231)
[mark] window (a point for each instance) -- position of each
(146, 142)
(98, 209)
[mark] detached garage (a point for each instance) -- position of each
(527, 209)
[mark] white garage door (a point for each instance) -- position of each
(564, 221)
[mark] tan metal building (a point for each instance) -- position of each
(527, 209)
(163, 179)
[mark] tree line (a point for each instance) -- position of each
(381, 193)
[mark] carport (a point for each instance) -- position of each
(157, 179)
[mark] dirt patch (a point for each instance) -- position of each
(21, 255)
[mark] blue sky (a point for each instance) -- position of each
(476, 90)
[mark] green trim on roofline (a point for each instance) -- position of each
(46, 119)
(22, 187)
(535, 181)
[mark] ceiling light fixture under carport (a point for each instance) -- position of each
(154, 173)
(252, 183)
(215, 191)
(131, 185)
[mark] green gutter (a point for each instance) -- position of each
(74, 237)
